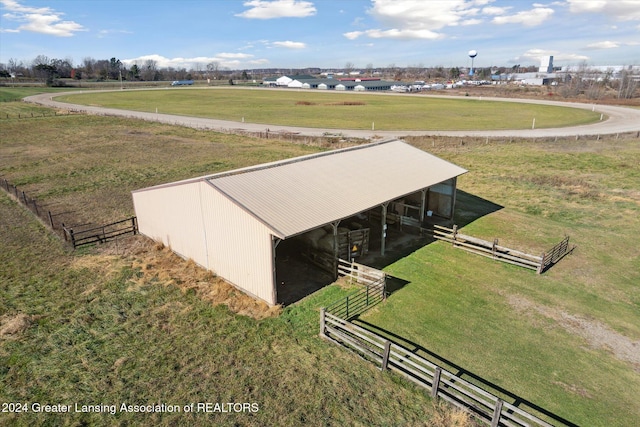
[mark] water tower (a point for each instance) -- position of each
(472, 55)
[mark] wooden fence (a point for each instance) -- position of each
(77, 238)
(442, 384)
(373, 291)
(500, 253)
(102, 233)
(555, 254)
(359, 273)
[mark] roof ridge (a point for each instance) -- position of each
(293, 160)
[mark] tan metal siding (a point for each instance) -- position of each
(239, 247)
(172, 215)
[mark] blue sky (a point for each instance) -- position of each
(323, 33)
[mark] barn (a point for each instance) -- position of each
(262, 227)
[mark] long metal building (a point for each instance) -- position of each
(245, 224)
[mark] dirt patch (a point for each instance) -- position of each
(597, 335)
(158, 264)
(572, 388)
(12, 326)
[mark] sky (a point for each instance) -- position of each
(249, 34)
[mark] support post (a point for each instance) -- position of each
(423, 202)
(455, 233)
(334, 225)
(436, 382)
(322, 323)
(385, 356)
(495, 419)
(383, 223)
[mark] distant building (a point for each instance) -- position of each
(546, 64)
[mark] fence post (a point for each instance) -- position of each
(72, 237)
(322, 324)
(455, 233)
(51, 222)
(495, 420)
(134, 226)
(436, 382)
(347, 315)
(385, 355)
(493, 249)
(367, 295)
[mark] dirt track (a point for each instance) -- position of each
(617, 120)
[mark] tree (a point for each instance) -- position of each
(213, 70)
(149, 70)
(88, 68)
(627, 84)
(348, 67)
(46, 72)
(134, 72)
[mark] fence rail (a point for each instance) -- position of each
(31, 203)
(501, 253)
(77, 238)
(442, 384)
(102, 233)
(373, 291)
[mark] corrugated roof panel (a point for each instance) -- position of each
(297, 195)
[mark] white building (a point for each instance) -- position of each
(546, 64)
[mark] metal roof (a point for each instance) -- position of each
(296, 195)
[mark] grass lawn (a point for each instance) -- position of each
(566, 340)
(102, 327)
(340, 110)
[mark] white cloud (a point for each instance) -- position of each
(263, 9)
(622, 10)
(224, 59)
(414, 19)
(536, 54)
(528, 18)
(494, 10)
(395, 33)
(604, 45)
(290, 45)
(43, 20)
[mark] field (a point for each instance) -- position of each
(339, 110)
(131, 323)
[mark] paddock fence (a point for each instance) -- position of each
(101, 234)
(373, 292)
(77, 237)
(539, 263)
(441, 383)
(39, 209)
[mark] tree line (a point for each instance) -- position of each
(54, 71)
(51, 70)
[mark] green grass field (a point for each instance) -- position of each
(340, 110)
(93, 327)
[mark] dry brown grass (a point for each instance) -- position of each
(157, 263)
(445, 416)
(11, 326)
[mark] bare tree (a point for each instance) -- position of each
(348, 67)
(149, 70)
(213, 70)
(627, 84)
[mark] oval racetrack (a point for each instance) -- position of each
(618, 120)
